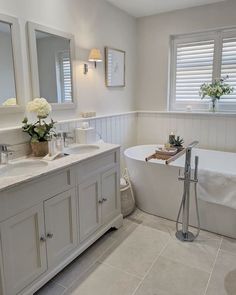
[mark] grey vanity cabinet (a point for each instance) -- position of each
(110, 192)
(60, 226)
(37, 239)
(24, 251)
(89, 193)
(46, 222)
(99, 199)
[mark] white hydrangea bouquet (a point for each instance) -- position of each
(40, 131)
(215, 90)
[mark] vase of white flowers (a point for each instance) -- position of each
(40, 131)
(214, 91)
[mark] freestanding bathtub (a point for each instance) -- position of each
(159, 192)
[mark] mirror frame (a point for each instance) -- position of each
(32, 28)
(17, 64)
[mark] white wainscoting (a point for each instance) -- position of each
(117, 128)
(214, 131)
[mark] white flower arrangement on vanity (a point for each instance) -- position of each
(40, 131)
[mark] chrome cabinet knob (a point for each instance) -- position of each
(42, 239)
(49, 235)
(100, 201)
(104, 199)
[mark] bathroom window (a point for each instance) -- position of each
(200, 58)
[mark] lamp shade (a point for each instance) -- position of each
(95, 55)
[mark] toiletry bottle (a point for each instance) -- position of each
(51, 146)
(59, 142)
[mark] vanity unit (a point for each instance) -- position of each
(50, 217)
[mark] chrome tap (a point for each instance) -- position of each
(65, 137)
(4, 153)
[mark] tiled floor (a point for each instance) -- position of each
(144, 258)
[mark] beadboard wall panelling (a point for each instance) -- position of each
(213, 131)
(117, 129)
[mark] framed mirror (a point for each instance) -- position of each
(11, 73)
(52, 57)
(115, 67)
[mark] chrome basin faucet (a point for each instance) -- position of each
(4, 153)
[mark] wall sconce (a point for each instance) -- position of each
(94, 56)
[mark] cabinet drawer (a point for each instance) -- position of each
(19, 198)
(92, 166)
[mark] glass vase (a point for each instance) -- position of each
(213, 105)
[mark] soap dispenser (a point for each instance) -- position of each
(85, 134)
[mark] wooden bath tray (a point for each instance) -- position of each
(167, 158)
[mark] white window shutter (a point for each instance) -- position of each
(194, 66)
(228, 66)
(66, 68)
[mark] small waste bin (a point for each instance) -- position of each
(127, 195)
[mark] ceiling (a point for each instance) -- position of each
(139, 8)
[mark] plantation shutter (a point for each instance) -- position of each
(194, 66)
(228, 65)
(66, 69)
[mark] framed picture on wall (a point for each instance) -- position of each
(115, 67)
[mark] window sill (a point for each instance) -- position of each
(195, 113)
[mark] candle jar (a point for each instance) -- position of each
(171, 139)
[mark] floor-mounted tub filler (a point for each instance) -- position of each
(184, 234)
(159, 192)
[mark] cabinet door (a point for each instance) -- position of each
(61, 226)
(110, 195)
(24, 252)
(89, 207)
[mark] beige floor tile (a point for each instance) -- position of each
(114, 264)
(105, 280)
(123, 232)
(168, 277)
(51, 289)
(205, 238)
(223, 279)
(76, 269)
(136, 253)
(229, 245)
(136, 214)
(191, 254)
(159, 223)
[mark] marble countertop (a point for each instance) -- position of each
(7, 182)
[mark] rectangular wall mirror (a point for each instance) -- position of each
(52, 56)
(10, 64)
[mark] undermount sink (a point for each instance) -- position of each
(81, 149)
(21, 168)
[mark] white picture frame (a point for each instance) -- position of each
(115, 67)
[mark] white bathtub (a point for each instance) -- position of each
(159, 192)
